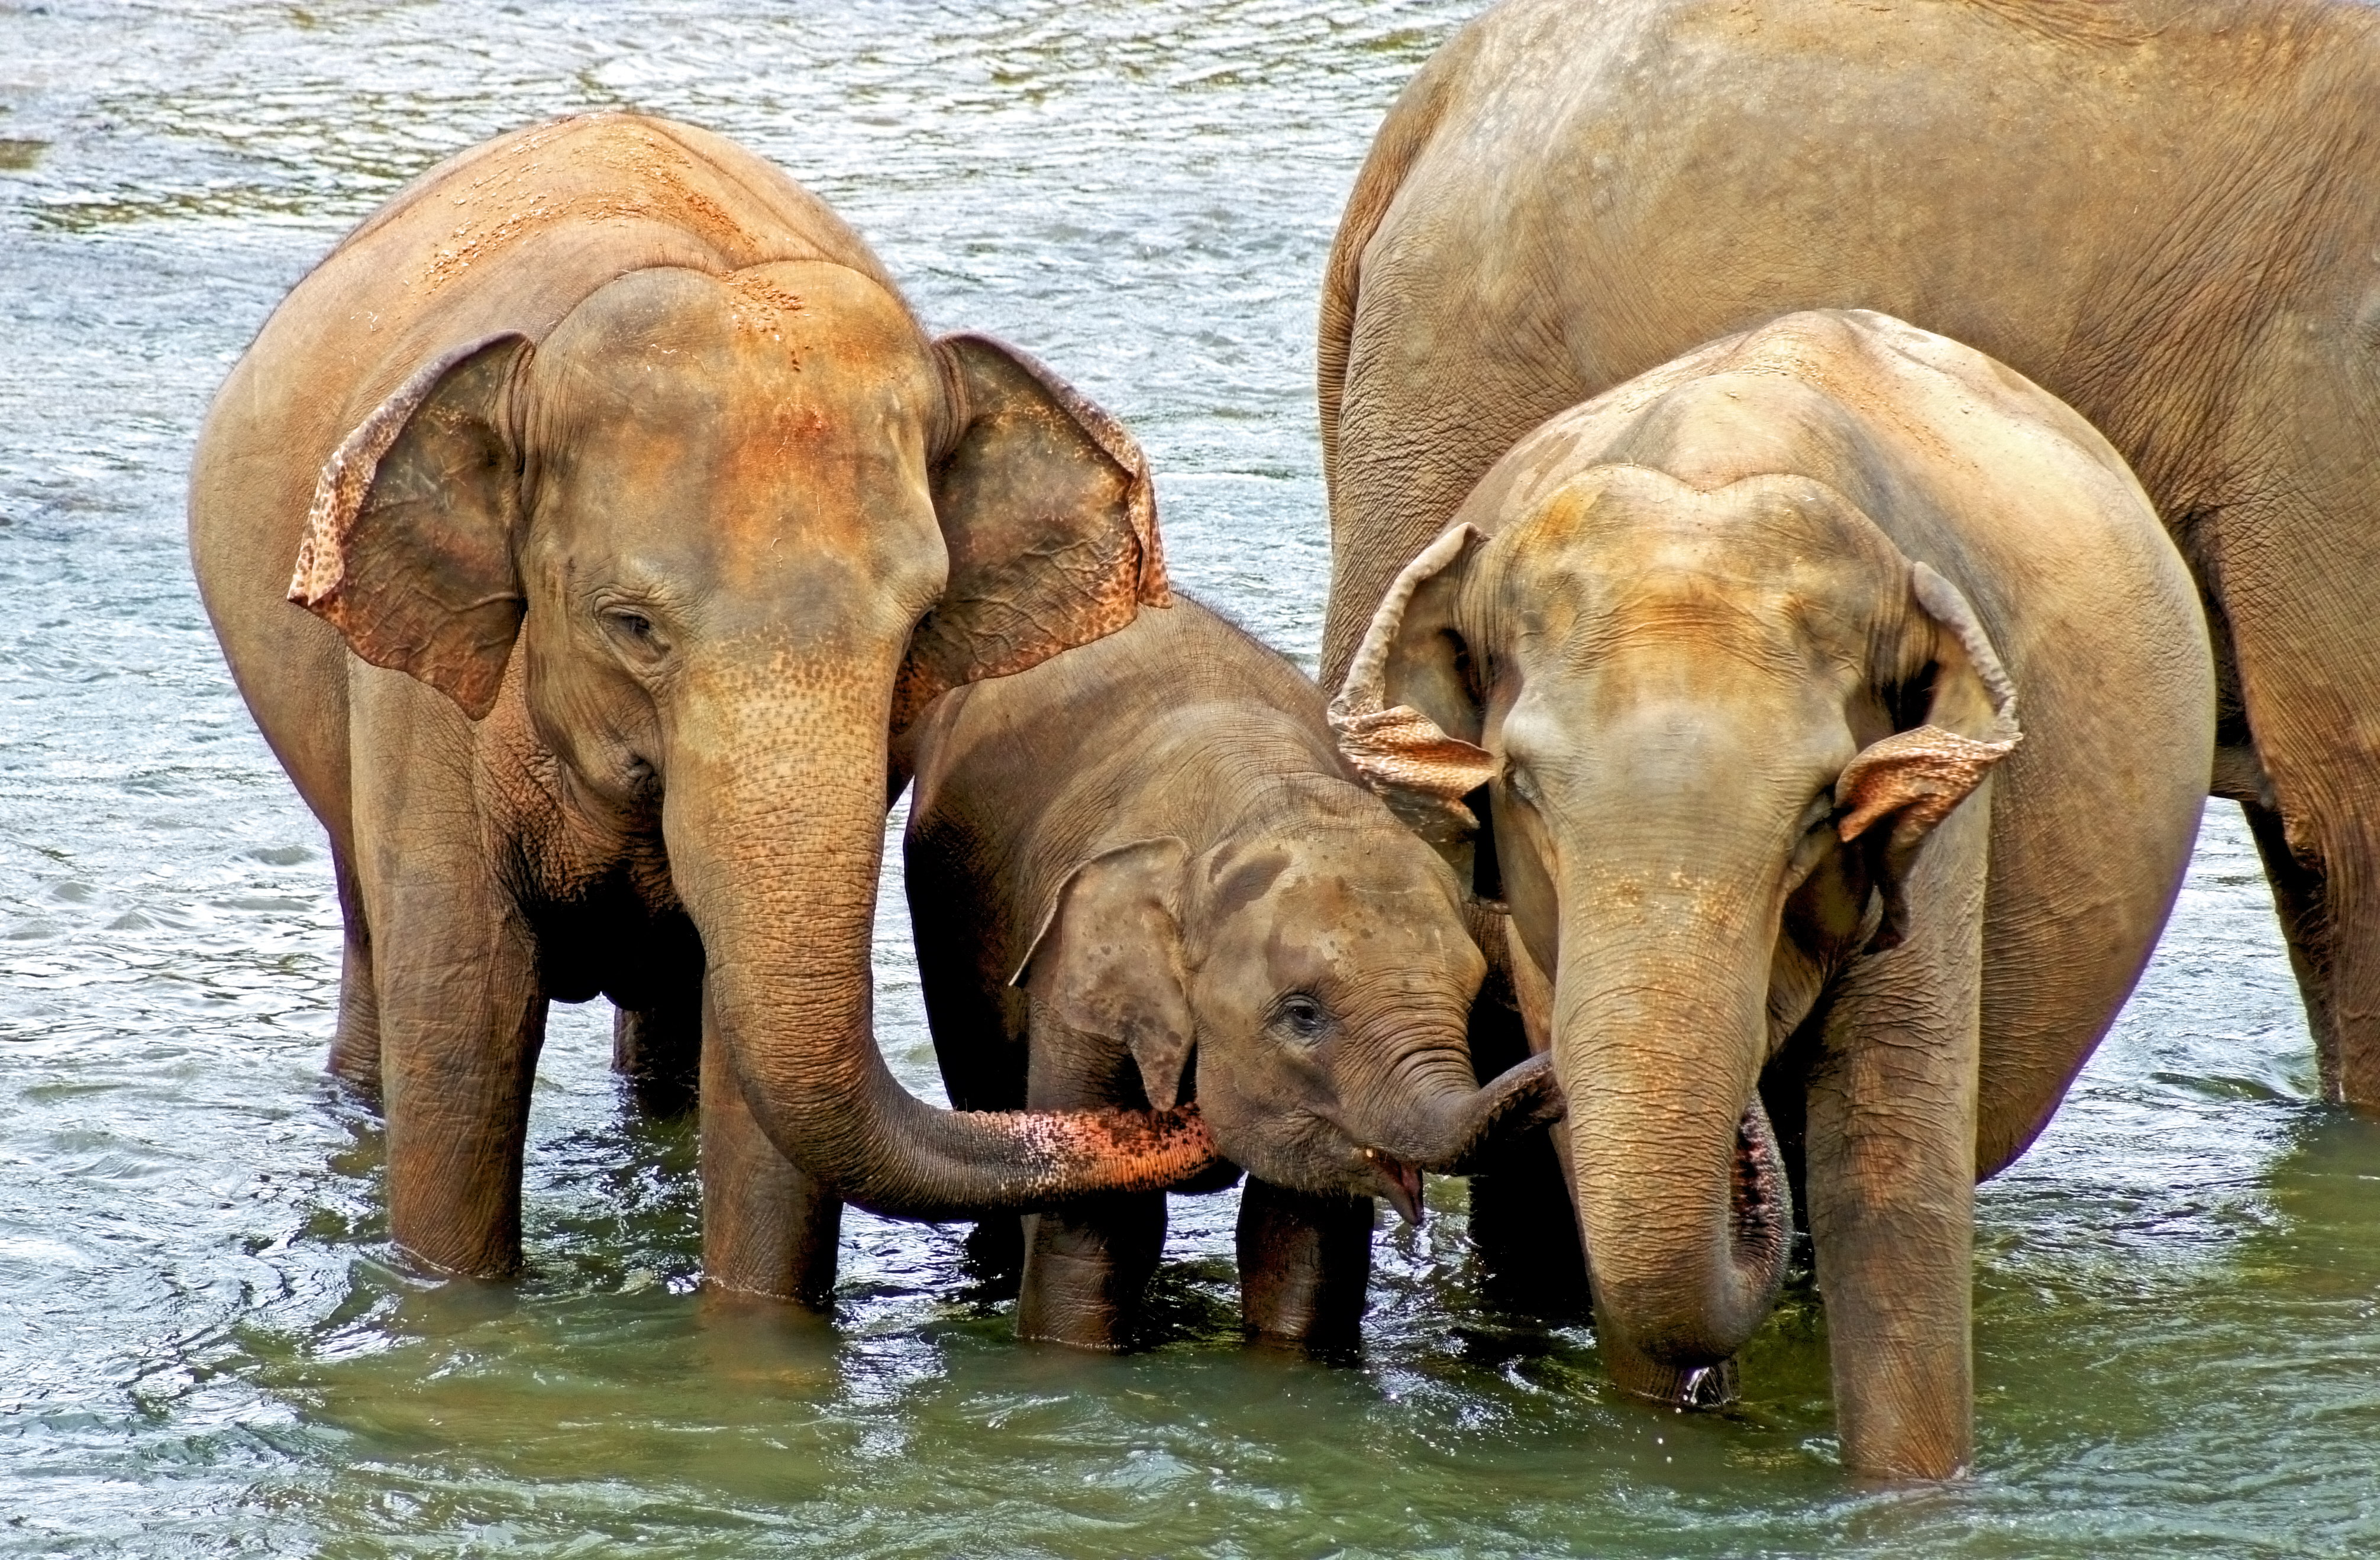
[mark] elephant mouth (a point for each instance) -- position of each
(1760, 1216)
(1399, 1182)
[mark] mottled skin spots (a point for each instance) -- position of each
(623, 491)
(1139, 870)
(1848, 716)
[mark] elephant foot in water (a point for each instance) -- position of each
(1087, 1268)
(1304, 1263)
(769, 1229)
(1760, 1227)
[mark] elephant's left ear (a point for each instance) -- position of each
(1916, 777)
(1049, 517)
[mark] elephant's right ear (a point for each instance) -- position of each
(1407, 717)
(1107, 958)
(409, 549)
(1048, 515)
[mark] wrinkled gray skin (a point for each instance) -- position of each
(630, 509)
(1140, 870)
(2162, 211)
(1845, 715)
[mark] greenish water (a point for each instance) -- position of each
(203, 1346)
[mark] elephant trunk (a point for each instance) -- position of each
(1681, 1189)
(1451, 1129)
(776, 832)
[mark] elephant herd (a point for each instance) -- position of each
(1819, 495)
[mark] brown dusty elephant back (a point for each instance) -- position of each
(518, 232)
(2161, 214)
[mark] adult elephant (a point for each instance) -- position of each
(630, 509)
(1844, 719)
(2161, 212)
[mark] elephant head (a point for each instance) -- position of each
(1312, 974)
(1714, 729)
(721, 534)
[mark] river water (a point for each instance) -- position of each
(204, 1345)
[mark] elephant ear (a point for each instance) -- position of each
(1914, 779)
(1049, 517)
(409, 548)
(1107, 958)
(1407, 718)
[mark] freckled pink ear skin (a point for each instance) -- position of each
(1915, 778)
(1400, 752)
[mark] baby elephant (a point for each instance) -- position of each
(1140, 872)
(1737, 650)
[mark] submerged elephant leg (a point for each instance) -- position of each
(354, 1047)
(768, 1226)
(1087, 1268)
(2354, 905)
(2299, 901)
(2330, 910)
(460, 1006)
(1304, 1264)
(1889, 1157)
(1521, 1209)
(658, 1049)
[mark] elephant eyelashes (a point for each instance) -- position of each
(633, 631)
(1304, 1017)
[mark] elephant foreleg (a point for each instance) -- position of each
(1086, 1269)
(768, 1226)
(460, 1006)
(1521, 1211)
(1890, 1162)
(1304, 1264)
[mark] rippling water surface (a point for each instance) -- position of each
(204, 1345)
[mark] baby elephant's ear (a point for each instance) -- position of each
(409, 549)
(1107, 958)
(1048, 515)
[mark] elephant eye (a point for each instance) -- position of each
(1522, 784)
(634, 632)
(1301, 1016)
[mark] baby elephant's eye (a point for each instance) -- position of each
(1303, 1016)
(635, 625)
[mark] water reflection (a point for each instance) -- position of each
(204, 1345)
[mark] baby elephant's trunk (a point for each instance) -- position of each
(1460, 1127)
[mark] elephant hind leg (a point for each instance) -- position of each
(2328, 902)
(658, 1049)
(355, 1045)
(2301, 900)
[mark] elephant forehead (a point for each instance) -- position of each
(777, 359)
(781, 399)
(1774, 567)
(1324, 922)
